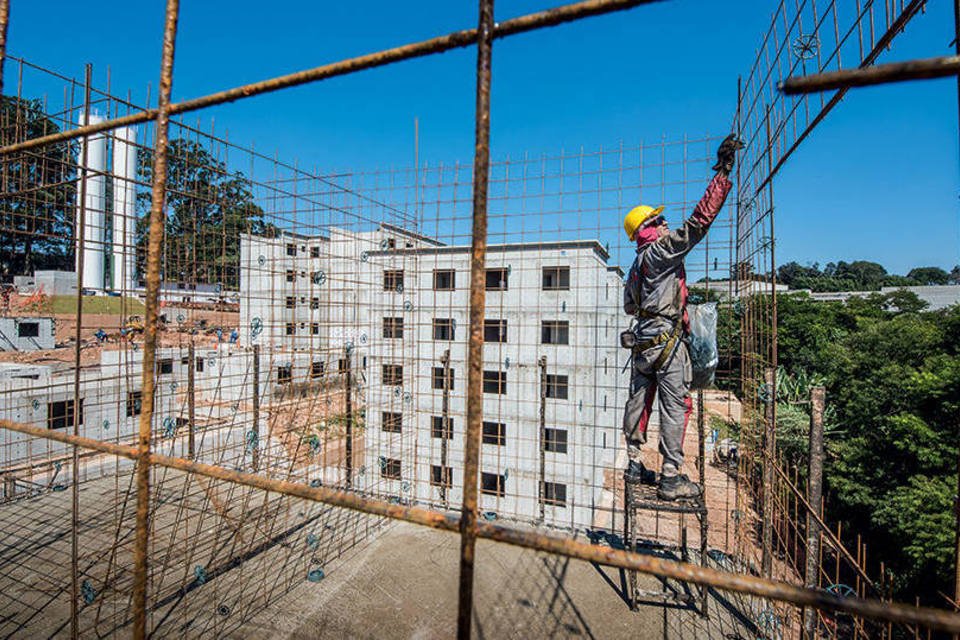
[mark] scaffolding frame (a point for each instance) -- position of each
(467, 523)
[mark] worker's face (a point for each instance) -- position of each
(662, 228)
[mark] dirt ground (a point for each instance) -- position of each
(178, 331)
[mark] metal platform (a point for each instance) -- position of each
(643, 497)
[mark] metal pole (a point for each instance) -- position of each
(814, 495)
(702, 470)
(191, 401)
(79, 225)
(768, 439)
(154, 248)
(543, 436)
(348, 389)
(471, 461)
(444, 426)
(256, 407)
(956, 555)
(4, 23)
(923, 69)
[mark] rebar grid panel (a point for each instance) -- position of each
(803, 38)
(277, 411)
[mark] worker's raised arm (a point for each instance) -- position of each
(679, 242)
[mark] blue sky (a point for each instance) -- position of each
(878, 180)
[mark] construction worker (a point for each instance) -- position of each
(656, 296)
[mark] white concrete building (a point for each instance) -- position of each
(27, 334)
(399, 301)
(553, 315)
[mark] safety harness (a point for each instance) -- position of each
(667, 338)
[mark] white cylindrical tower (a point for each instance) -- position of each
(94, 183)
(124, 208)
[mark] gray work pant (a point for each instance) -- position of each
(672, 381)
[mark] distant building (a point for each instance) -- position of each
(551, 327)
(936, 296)
(27, 334)
(52, 283)
(393, 307)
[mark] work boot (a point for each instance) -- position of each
(636, 473)
(677, 487)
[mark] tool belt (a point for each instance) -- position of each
(628, 340)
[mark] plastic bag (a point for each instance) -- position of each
(703, 343)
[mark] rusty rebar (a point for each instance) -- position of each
(530, 539)
(768, 463)
(348, 413)
(154, 252)
(898, 25)
(255, 402)
(4, 23)
(471, 456)
(814, 495)
(80, 231)
(922, 69)
(191, 400)
(440, 44)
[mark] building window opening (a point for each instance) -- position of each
(493, 484)
(495, 433)
(555, 440)
(494, 330)
(495, 382)
(556, 278)
(555, 332)
(496, 280)
(444, 280)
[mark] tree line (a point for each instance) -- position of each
(208, 206)
(892, 375)
(860, 275)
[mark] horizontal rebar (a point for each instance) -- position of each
(629, 560)
(923, 69)
(439, 44)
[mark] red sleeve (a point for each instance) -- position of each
(712, 200)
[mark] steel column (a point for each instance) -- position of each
(768, 462)
(814, 495)
(154, 251)
(471, 461)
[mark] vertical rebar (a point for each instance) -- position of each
(770, 399)
(471, 462)
(348, 410)
(814, 496)
(256, 407)
(191, 401)
(541, 490)
(4, 22)
(154, 248)
(702, 470)
(956, 507)
(79, 224)
(445, 427)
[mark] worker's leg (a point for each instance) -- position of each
(675, 407)
(636, 415)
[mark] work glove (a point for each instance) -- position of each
(727, 154)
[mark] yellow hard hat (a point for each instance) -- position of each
(637, 217)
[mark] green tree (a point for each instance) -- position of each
(892, 373)
(37, 208)
(207, 209)
(929, 275)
